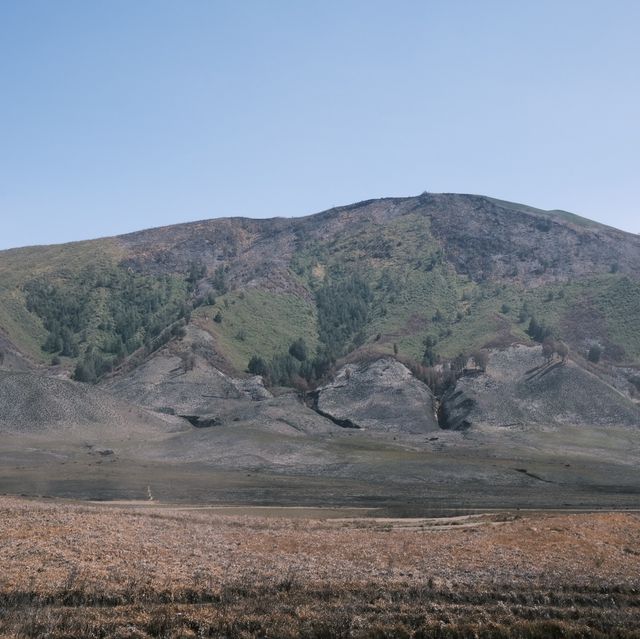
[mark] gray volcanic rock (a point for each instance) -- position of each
(183, 378)
(36, 404)
(381, 396)
(223, 406)
(162, 383)
(520, 388)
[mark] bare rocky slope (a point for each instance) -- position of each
(379, 395)
(33, 404)
(521, 388)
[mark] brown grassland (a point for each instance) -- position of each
(85, 570)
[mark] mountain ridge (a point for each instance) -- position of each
(455, 268)
(500, 201)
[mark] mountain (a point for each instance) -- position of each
(398, 349)
(467, 271)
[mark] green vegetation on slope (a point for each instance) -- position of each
(406, 282)
(416, 296)
(254, 321)
(603, 309)
(62, 261)
(343, 312)
(104, 314)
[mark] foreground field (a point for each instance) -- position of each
(76, 570)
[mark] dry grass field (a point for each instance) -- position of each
(105, 570)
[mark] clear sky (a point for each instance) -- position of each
(125, 114)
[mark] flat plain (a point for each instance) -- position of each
(74, 569)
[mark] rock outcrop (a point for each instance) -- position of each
(382, 395)
(520, 388)
(181, 379)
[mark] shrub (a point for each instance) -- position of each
(538, 331)
(563, 350)
(257, 366)
(188, 361)
(594, 354)
(298, 349)
(548, 348)
(430, 357)
(178, 330)
(85, 372)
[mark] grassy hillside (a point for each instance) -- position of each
(75, 304)
(254, 321)
(59, 263)
(457, 272)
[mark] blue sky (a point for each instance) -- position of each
(121, 115)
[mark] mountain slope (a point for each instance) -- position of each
(461, 271)
(359, 309)
(32, 404)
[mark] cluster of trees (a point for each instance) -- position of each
(96, 362)
(105, 315)
(538, 331)
(196, 271)
(437, 379)
(93, 365)
(459, 364)
(343, 311)
(441, 378)
(294, 367)
(219, 280)
(541, 332)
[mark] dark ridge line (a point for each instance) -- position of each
(524, 471)
(343, 423)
